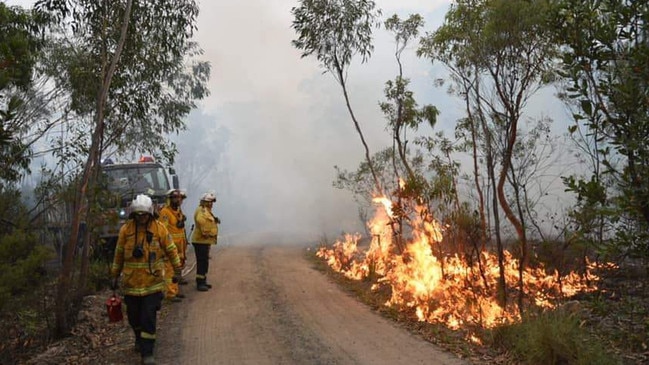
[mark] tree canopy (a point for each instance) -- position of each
(19, 46)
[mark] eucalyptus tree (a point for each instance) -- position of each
(19, 47)
(605, 66)
(500, 54)
(534, 157)
(25, 117)
(125, 67)
(404, 115)
(335, 31)
(451, 45)
(401, 108)
(21, 126)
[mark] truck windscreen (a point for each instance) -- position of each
(137, 179)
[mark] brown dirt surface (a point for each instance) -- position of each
(268, 305)
(275, 303)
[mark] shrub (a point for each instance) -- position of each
(22, 261)
(98, 276)
(552, 338)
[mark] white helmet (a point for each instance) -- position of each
(208, 197)
(142, 203)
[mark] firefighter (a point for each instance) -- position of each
(174, 220)
(204, 235)
(141, 246)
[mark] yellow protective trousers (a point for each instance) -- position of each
(171, 288)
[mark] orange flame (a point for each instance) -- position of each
(447, 290)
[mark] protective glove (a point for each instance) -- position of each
(113, 284)
(217, 220)
(177, 276)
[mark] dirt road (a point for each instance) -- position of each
(269, 306)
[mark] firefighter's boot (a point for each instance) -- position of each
(201, 285)
(147, 344)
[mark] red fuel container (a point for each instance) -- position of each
(114, 308)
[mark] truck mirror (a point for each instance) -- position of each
(175, 182)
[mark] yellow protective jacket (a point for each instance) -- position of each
(206, 229)
(170, 218)
(143, 276)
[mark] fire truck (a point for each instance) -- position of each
(121, 183)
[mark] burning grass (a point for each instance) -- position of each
(455, 302)
(375, 297)
(449, 289)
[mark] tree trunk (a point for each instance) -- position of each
(502, 198)
(476, 177)
(370, 164)
(63, 303)
(502, 282)
(502, 178)
(484, 226)
(523, 243)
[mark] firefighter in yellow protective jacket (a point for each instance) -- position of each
(174, 220)
(203, 236)
(142, 244)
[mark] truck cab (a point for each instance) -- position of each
(121, 183)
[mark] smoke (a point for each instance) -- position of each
(274, 126)
(268, 137)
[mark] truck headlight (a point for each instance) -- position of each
(122, 214)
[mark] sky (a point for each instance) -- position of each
(283, 124)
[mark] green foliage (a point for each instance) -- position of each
(552, 338)
(605, 65)
(13, 213)
(22, 261)
(18, 49)
(335, 30)
(22, 256)
(499, 54)
(401, 109)
(14, 154)
(405, 30)
(98, 277)
(593, 216)
(18, 46)
(444, 170)
(157, 81)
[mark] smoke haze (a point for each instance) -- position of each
(268, 137)
(282, 123)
